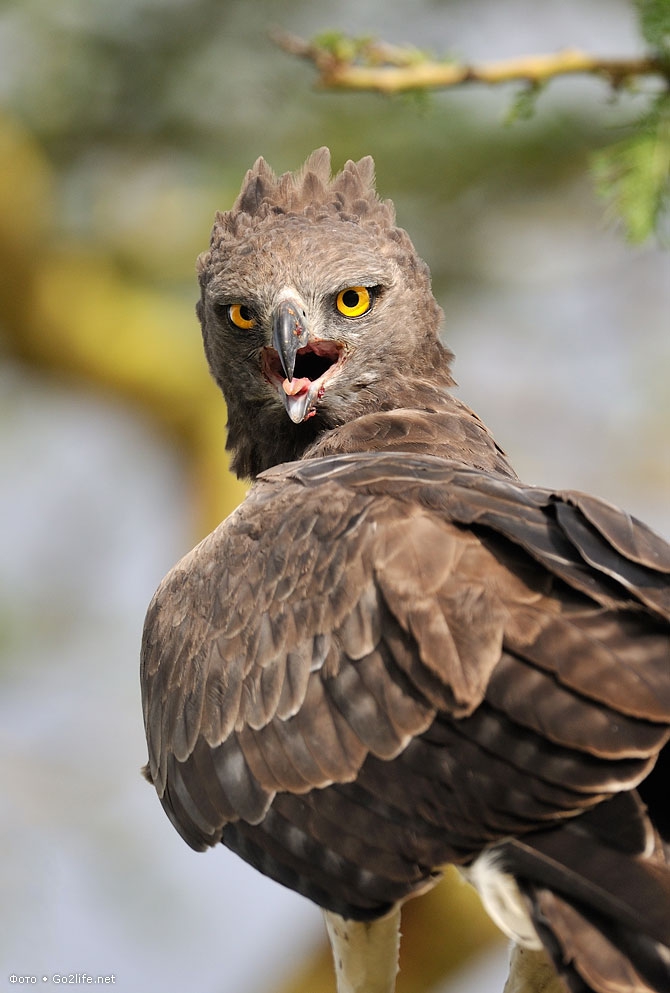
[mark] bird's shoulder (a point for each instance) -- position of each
(422, 418)
(352, 597)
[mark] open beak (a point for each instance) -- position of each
(297, 365)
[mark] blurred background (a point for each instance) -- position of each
(123, 126)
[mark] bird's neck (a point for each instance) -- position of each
(417, 416)
(263, 436)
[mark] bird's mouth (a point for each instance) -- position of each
(315, 364)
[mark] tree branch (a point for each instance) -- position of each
(345, 63)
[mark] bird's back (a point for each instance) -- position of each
(388, 661)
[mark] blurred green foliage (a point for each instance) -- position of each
(654, 19)
(634, 174)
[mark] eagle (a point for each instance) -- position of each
(394, 655)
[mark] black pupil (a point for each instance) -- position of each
(245, 313)
(351, 299)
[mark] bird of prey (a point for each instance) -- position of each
(394, 655)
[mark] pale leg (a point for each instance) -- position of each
(365, 953)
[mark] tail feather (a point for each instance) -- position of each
(601, 909)
(591, 953)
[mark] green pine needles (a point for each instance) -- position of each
(634, 174)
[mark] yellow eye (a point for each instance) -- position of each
(241, 316)
(354, 301)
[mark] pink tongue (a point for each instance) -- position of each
(297, 401)
(296, 386)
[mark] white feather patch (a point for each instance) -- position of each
(502, 900)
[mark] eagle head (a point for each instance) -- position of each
(314, 307)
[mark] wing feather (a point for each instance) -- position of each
(505, 647)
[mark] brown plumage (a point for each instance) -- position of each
(395, 655)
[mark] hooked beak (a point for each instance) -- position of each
(288, 334)
(297, 365)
